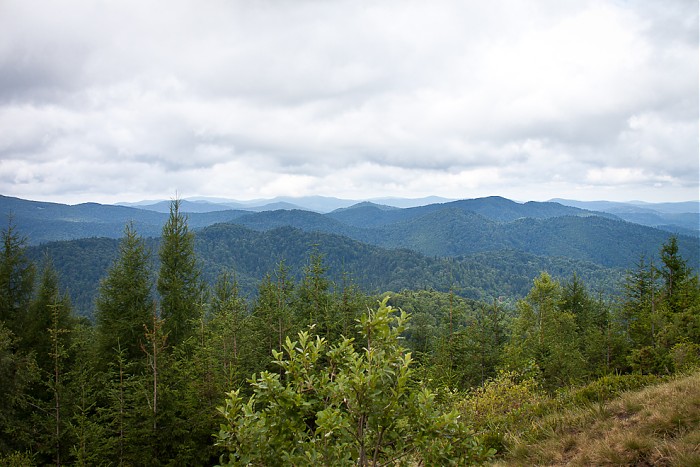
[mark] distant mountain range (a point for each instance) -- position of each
(42, 221)
(480, 247)
(681, 217)
(321, 204)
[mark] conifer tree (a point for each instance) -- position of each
(56, 383)
(600, 338)
(179, 283)
(125, 302)
(314, 301)
(272, 317)
(228, 321)
(678, 291)
(349, 305)
(86, 425)
(641, 303)
(18, 372)
(16, 279)
(48, 305)
(545, 335)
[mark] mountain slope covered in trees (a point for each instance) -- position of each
(485, 247)
(251, 255)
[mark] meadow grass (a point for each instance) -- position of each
(656, 425)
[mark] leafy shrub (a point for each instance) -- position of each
(610, 386)
(492, 407)
(338, 406)
(506, 394)
(685, 356)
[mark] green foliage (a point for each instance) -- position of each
(601, 339)
(610, 386)
(18, 373)
(686, 356)
(17, 459)
(492, 407)
(547, 335)
(49, 305)
(124, 304)
(507, 393)
(314, 301)
(16, 279)
(338, 406)
(458, 341)
(272, 315)
(122, 393)
(85, 428)
(178, 283)
(229, 326)
(678, 289)
(661, 310)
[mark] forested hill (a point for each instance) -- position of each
(252, 254)
(494, 208)
(452, 230)
(42, 221)
(482, 247)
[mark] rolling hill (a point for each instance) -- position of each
(253, 254)
(481, 247)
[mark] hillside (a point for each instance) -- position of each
(43, 222)
(682, 218)
(489, 224)
(656, 425)
(494, 208)
(252, 254)
(450, 229)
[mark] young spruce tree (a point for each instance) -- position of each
(179, 283)
(16, 279)
(125, 301)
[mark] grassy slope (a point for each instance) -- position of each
(656, 425)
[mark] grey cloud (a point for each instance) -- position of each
(290, 94)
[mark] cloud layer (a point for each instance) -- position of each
(110, 101)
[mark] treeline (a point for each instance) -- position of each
(141, 385)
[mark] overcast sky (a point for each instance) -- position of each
(128, 100)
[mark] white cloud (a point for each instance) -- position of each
(404, 98)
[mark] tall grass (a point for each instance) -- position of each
(655, 425)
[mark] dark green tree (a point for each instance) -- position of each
(641, 297)
(678, 281)
(546, 335)
(86, 425)
(601, 339)
(314, 300)
(643, 318)
(272, 318)
(18, 373)
(124, 302)
(680, 306)
(179, 284)
(16, 279)
(482, 347)
(228, 322)
(50, 309)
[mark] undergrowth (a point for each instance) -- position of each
(616, 420)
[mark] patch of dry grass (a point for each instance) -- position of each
(658, 425)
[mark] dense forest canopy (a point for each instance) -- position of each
(360, 354)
